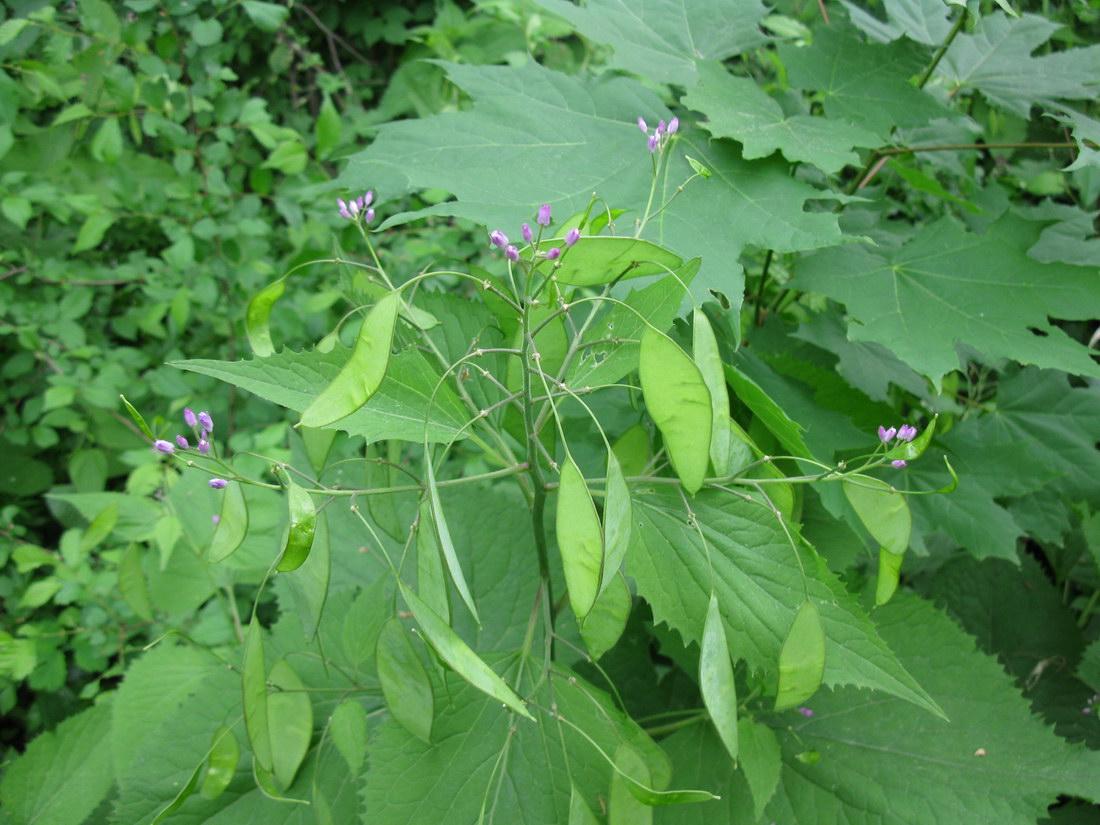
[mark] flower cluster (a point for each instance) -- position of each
(202, 426)
(660, 137)
(543, 219)
(1090, 705)
(358, 208)
(906, 433)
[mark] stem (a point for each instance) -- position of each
(760, 288)
(538, 499)
(675, 726)
(942, 50)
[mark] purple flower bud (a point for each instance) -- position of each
(206, 421)
(189, 418)
(806, 712)
(553, 254)
(367, 199)
(898, 463)
(907, 432)
(368, 216)
(544, 215)
(572, 236)
(527, 233)
(652, 143)
(219, 483)
(344, 213)
(1086, 710)
(642, 125)
(215, 519)
(182, 442)
(661, 127)
(673, 125)
(885, 435)
(204, 446)
(498, 238)
(354, 208)
(164, 446)
(511, 253)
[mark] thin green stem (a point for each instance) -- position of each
(760, 288)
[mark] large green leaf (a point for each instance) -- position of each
(996, 60)
(737, 107)
(666, 41)
(494, 158)
(750, 565)
(485, 767)
(948, 287)
(63, 774)
(863, 83)
(924, 21)
(397, 410)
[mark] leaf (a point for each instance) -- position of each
(709, 362)
(348, 729)
(268, 17)
(948, 287)
(580, 539)
(132, 584)
(679, 403)
(11, 29)
(289, 157)
(106, 146)
(593, 261)
(404, 681)
(456, 653)
(754, 573)
(100, 528)
(447, 546)
(397, 410)
(301, 528)
(716, 679)
(996, 60)
(257, 318)
(883, 510)
(923, 21)
(579, 812)
(431, 579)
(91, 232)
(290, 722)
(801, 659)
(221, 766)
(326, 130)
(749, 392)
(737, 108)
(864, 84)
(207, 32)
(139, 419)
(362, 375)
(64, 774)
(254, 683)
(309, 585)
(666, 41)
(889, 569)
(760, 761)
(617, 517)
(623, 807)
(994, 762)
(605, 623)
(232, 524)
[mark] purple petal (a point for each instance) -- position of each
(189, 418)
(206, 421)
(553, 254)
(164, 446)
(642, 125)
(898, 463)
(219, 483)
(511, 253)
(527, 233)
(673, 125)
(498, 238)
(572, 236)
(544, 215)
(182, 442)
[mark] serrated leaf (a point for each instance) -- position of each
(397, 410)
(736, 107)
(923, 21)
(948, 287)
(759, 587)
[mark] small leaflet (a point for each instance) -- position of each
(801, 659)
(716, 680)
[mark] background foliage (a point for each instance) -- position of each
(898, 222)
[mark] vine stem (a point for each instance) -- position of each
(538, 500)
(760, 288)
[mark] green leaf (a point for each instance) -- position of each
(679, 403)
(623, 807)
(64, 774)
(93, 229)
(593, 261)
(760, 761)
(580, 539)
(883, 510)
(207, 32)
(17, 209)
(254, 684)
(801, 659)
(76, 111)
(456, 653)
(889, 570)
(664, 41)
(139, 419)
(132, 584)
(11, 29)
(579, 812)
(605, 623)
(709, 361)
(716, 679)
(257, 318)
(616, 521)
(996, 60)
(754, 572)
(736, 107)
(922, 21)
(348, 728)
(431, 581)
(100, 528)
(301, 529)
(362, 375)
(289, 157)
(749, 392)
(404, 681)
(106, 146)
(439, 520)
(397, 410)
(864, 84)
(948, 287)
(309, 585)
(290, 722)
(268, 17)
(221, 766)
(326, 130)
(232, 524)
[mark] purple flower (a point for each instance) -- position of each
(907, 432)
(498, 238)
(572, 236)
(344, 213)
(164, 446)
(182, 442)
(642, 125)
(189, 418)
(527, 233)
(661, 128)
(366, 200)
(368, 216)
(806, 712)
(898, 463)
(885, 435)
(214, 519)
(353, 208)
(218, 483)
(553, 254)
(204, 446)
(652, 143)
(673, 125)
(206, 421)
(511, 253)
(543, 218)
